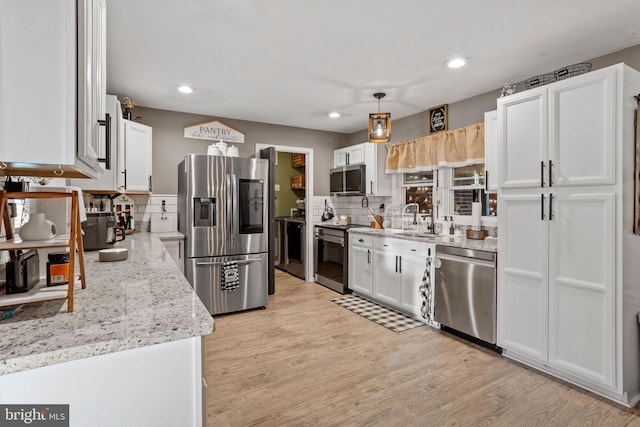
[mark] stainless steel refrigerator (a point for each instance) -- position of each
(223, 213)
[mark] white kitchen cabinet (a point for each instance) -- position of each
(398, 268)
(62, 101)
(491, 151)
(373, 156)
(567, 289)
(137, 157)
(175, 249)
(523, 269)
(559, 135)
(353, 155)
(108, 180)
(386, 280)
(360, 264)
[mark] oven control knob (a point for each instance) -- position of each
(437, 263)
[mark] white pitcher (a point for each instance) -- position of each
(38, 228)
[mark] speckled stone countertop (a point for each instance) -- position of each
(142, 301)
(490, 245)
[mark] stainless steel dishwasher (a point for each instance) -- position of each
(465, 291)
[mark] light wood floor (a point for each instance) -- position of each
(305, 361)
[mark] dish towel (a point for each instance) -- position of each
(426, 293)
(230, 280)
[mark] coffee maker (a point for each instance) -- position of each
(100, 231)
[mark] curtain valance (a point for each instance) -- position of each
(452, 148)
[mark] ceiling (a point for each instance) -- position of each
(291, 62)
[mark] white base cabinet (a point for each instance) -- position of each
(157, 385)
(567, 303)
(360, 264)
(389, 271)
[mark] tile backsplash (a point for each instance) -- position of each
(149, 215)
(350, 206)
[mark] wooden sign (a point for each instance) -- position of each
(438, 118)
(214, 130)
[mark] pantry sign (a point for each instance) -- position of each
(214, 130)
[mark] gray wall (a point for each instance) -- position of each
(471, 110)
(170, 146)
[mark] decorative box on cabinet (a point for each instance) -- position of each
(566, 284)
(73, 242)
(65, 103)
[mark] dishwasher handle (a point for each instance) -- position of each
(465, 260)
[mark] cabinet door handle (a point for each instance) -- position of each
(400, 264)
(541, 173)
(371, 186)
(550, 173)
(396, 263)
(347, 158)
(107, 144)
(150, 183)
(361, 240)
(486, 181)
(542, 207)
(125, 178)
(550, 207)
(368, 256)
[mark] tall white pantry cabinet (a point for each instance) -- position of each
(569, 270)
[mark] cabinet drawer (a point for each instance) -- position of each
(361, 240)
(403, 246)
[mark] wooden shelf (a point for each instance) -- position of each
(39, 293)
(73, 241)
(298, 160)
(297, 182)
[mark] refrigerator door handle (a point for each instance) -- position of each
(240, 261)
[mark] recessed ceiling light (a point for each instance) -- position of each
(457, 62)
(185, 89)
(334, 114)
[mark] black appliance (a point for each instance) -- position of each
(100, 231)
(23, 272)
(295, 231)
(331, 256)
(348, 181)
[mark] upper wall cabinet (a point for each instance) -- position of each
(137, 157)
(52, 74)
(108, 181)
(374, 157)
(551, 142)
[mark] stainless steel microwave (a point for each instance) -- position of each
(348, 181)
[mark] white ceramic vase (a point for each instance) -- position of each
(38, 228)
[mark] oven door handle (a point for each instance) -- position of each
(337, 240)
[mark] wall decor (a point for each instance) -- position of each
(214, 130)
(438, 118)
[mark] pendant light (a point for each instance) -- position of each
(379, 123)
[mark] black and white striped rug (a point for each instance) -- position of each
(377, 313)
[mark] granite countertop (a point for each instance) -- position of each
(490, 245)
(142, 301)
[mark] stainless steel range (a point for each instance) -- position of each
(331, 267)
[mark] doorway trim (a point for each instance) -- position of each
(308, 199)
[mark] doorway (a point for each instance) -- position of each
(308, 195)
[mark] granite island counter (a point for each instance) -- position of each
(130, 352)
